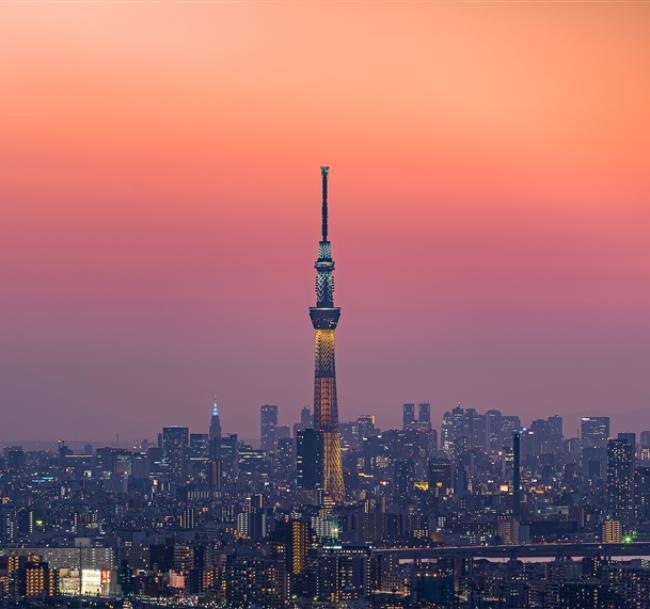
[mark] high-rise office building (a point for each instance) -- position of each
(268, 425)
(630, 438)
(199, 446)
(620, 478)
(555, 426)
(594, 432)
(214, 435)
(325, 317)
(439, 476)
(176, 455)
(213, 474)
(306, 418)
(229, 458)
(408, 416)
(306, 421)
(594, 463)
(365, 426)
(424, 415)
(433, 441)
(282, 432)
(547, 436)
(308, 459)
(403, 478)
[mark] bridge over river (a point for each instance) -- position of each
(539, 550)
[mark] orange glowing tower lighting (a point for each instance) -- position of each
(324, 317)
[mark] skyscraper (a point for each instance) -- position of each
(620, 478)
(408, 416)
(268, 424)
(594, 432)
(424, 415)
(439, 475)
(199, 446)
(214, 436)
(324, 317)
(306, 420)
(547, 437)
(308, 459)
(175, 445)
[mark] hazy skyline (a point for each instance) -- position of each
(159, 187)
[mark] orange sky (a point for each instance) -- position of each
(159, 194)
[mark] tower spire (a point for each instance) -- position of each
(324, 173)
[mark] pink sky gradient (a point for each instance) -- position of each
(159, 188)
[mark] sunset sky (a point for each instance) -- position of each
(160, 200)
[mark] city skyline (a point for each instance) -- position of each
(159, 196)
(184, 421)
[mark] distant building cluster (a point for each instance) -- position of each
(486, 513)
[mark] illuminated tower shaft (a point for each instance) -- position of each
(324, 317)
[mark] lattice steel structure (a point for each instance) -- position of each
(324, 317)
